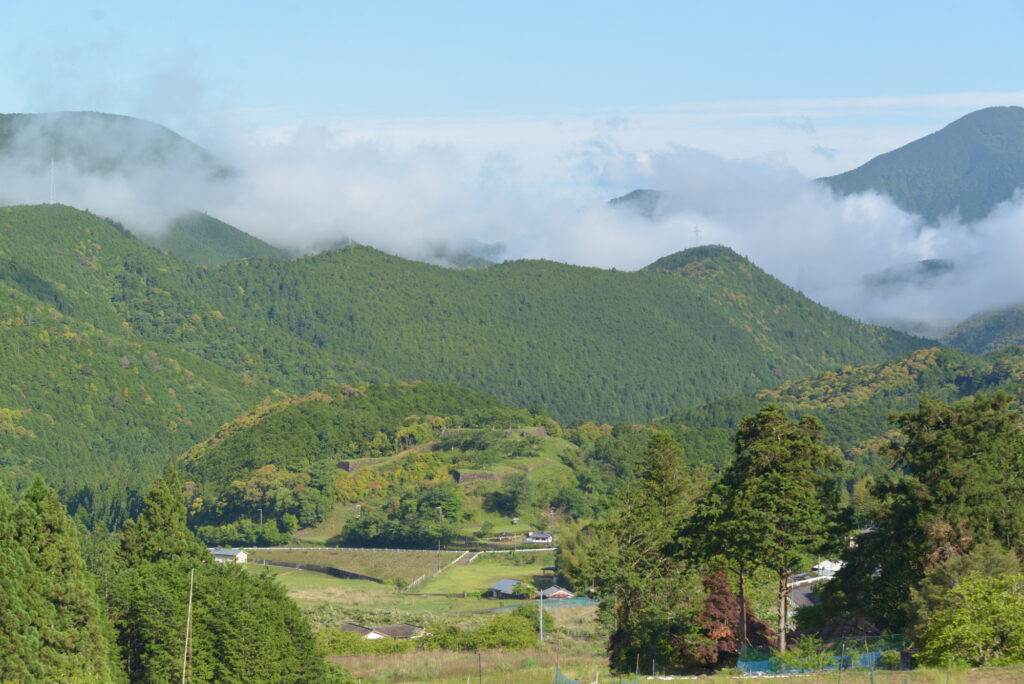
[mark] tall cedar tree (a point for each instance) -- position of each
(775, 502)
(649, 594)
(160, 532)
(963, 482)
(52, 628)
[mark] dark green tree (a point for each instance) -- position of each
(650, 598)
(963, 479)
(244, 627)
(160, 532)
(53, 629)
(775, 502)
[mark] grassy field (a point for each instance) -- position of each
(537, 666)
(403, 566)
(315, 589)
(486, 570)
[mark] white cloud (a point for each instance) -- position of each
(539, 187)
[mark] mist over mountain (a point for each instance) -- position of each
(307, 188)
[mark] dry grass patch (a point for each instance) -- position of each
(401, 566)
(447, 667)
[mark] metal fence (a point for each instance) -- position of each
(862, 653)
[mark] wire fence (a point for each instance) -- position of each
(560, 678)
(865, 653)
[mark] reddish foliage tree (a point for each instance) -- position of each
(720, 623)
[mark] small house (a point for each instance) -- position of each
(539, 537)
(506, 588)
(555, 592)
(229, 555)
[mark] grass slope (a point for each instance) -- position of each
(968, 167)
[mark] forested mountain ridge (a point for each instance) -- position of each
(854, 403)
(202, 239)
(120, 356)
(988, 331)
(562, 336)
(969, 166)
(526, 331)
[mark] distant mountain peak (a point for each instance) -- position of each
(964, 169)
(718, 254)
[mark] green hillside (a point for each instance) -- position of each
(969, 166)
(712, 323)
(120, 356)
(854, 403)
(562, 336)
(202, 239)
(988, 331)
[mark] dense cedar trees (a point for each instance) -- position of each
(244, 627)
(52, 626)
(651, 599)
(160, 532)
(963, 466)
(774, 503)
(118, 356)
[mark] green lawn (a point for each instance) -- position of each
(487, 569)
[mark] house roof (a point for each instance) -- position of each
(803, 596)
(353, 627)
(404, 630)
(538, 535)
(227, 552)
(505, 586)
(555, 589)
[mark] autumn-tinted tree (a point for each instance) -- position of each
(721, 623)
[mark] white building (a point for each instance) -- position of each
(229, 555)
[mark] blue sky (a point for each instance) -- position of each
(324, 61)
(409, 125)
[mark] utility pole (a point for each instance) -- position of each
(261, 517)
(188, 625)
(541, 617)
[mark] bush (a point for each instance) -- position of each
(333, 641)
(889, 660)
(979, 622)
(806, 655)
